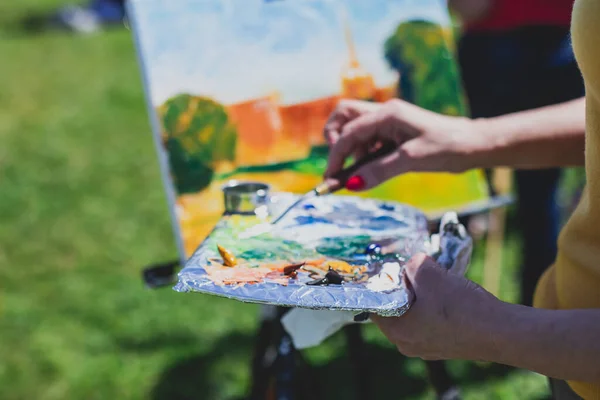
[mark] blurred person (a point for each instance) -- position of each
(88, 18)
(452, 317)
(516, 55)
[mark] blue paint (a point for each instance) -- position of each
(310, 219)
(382, 223)
(373, 248)
(387, 207)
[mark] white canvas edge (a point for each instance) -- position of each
(156, 132)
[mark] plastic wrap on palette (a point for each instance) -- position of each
(341, 217)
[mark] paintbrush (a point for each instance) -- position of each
(338, 181)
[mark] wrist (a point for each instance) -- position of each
(500, 332)
(477, 144)
(489, 335)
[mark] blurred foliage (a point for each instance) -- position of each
(198, 134)
(422, 52)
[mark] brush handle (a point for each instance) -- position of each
(338, 181)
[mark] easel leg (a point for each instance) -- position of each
(265, 354)
(441, 381)
(274, 366)
(359, 359)
(285, 363)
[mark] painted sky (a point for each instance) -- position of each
(232, 50)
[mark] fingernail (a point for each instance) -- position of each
(355, 183)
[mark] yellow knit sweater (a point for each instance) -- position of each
(574, 280)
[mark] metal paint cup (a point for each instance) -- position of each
(245, 197)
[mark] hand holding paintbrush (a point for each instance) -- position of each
(340, 180)
(409, 139)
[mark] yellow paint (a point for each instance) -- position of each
(432, 192)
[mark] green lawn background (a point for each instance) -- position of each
(82, 209)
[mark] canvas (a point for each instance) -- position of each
(241, 89)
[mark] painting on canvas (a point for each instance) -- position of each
(241, 89)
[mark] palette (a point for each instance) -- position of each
(333, 252)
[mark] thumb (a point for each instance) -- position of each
(420, 268)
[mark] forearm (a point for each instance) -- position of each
(560, 344)
(552, 136)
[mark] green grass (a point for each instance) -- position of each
(82, 209)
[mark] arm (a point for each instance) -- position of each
(453, 318)
(560, 344)
(552, 136)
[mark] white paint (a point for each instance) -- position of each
(387, 280)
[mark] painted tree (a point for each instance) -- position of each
(198, 134)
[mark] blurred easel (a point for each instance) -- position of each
(492, 265)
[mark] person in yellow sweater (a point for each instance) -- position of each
(452, 317)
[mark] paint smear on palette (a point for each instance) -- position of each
(336, 216)
(376, 219)
(332, 240)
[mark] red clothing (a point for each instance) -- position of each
(511, 14)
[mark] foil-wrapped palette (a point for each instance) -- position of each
(331, 252)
